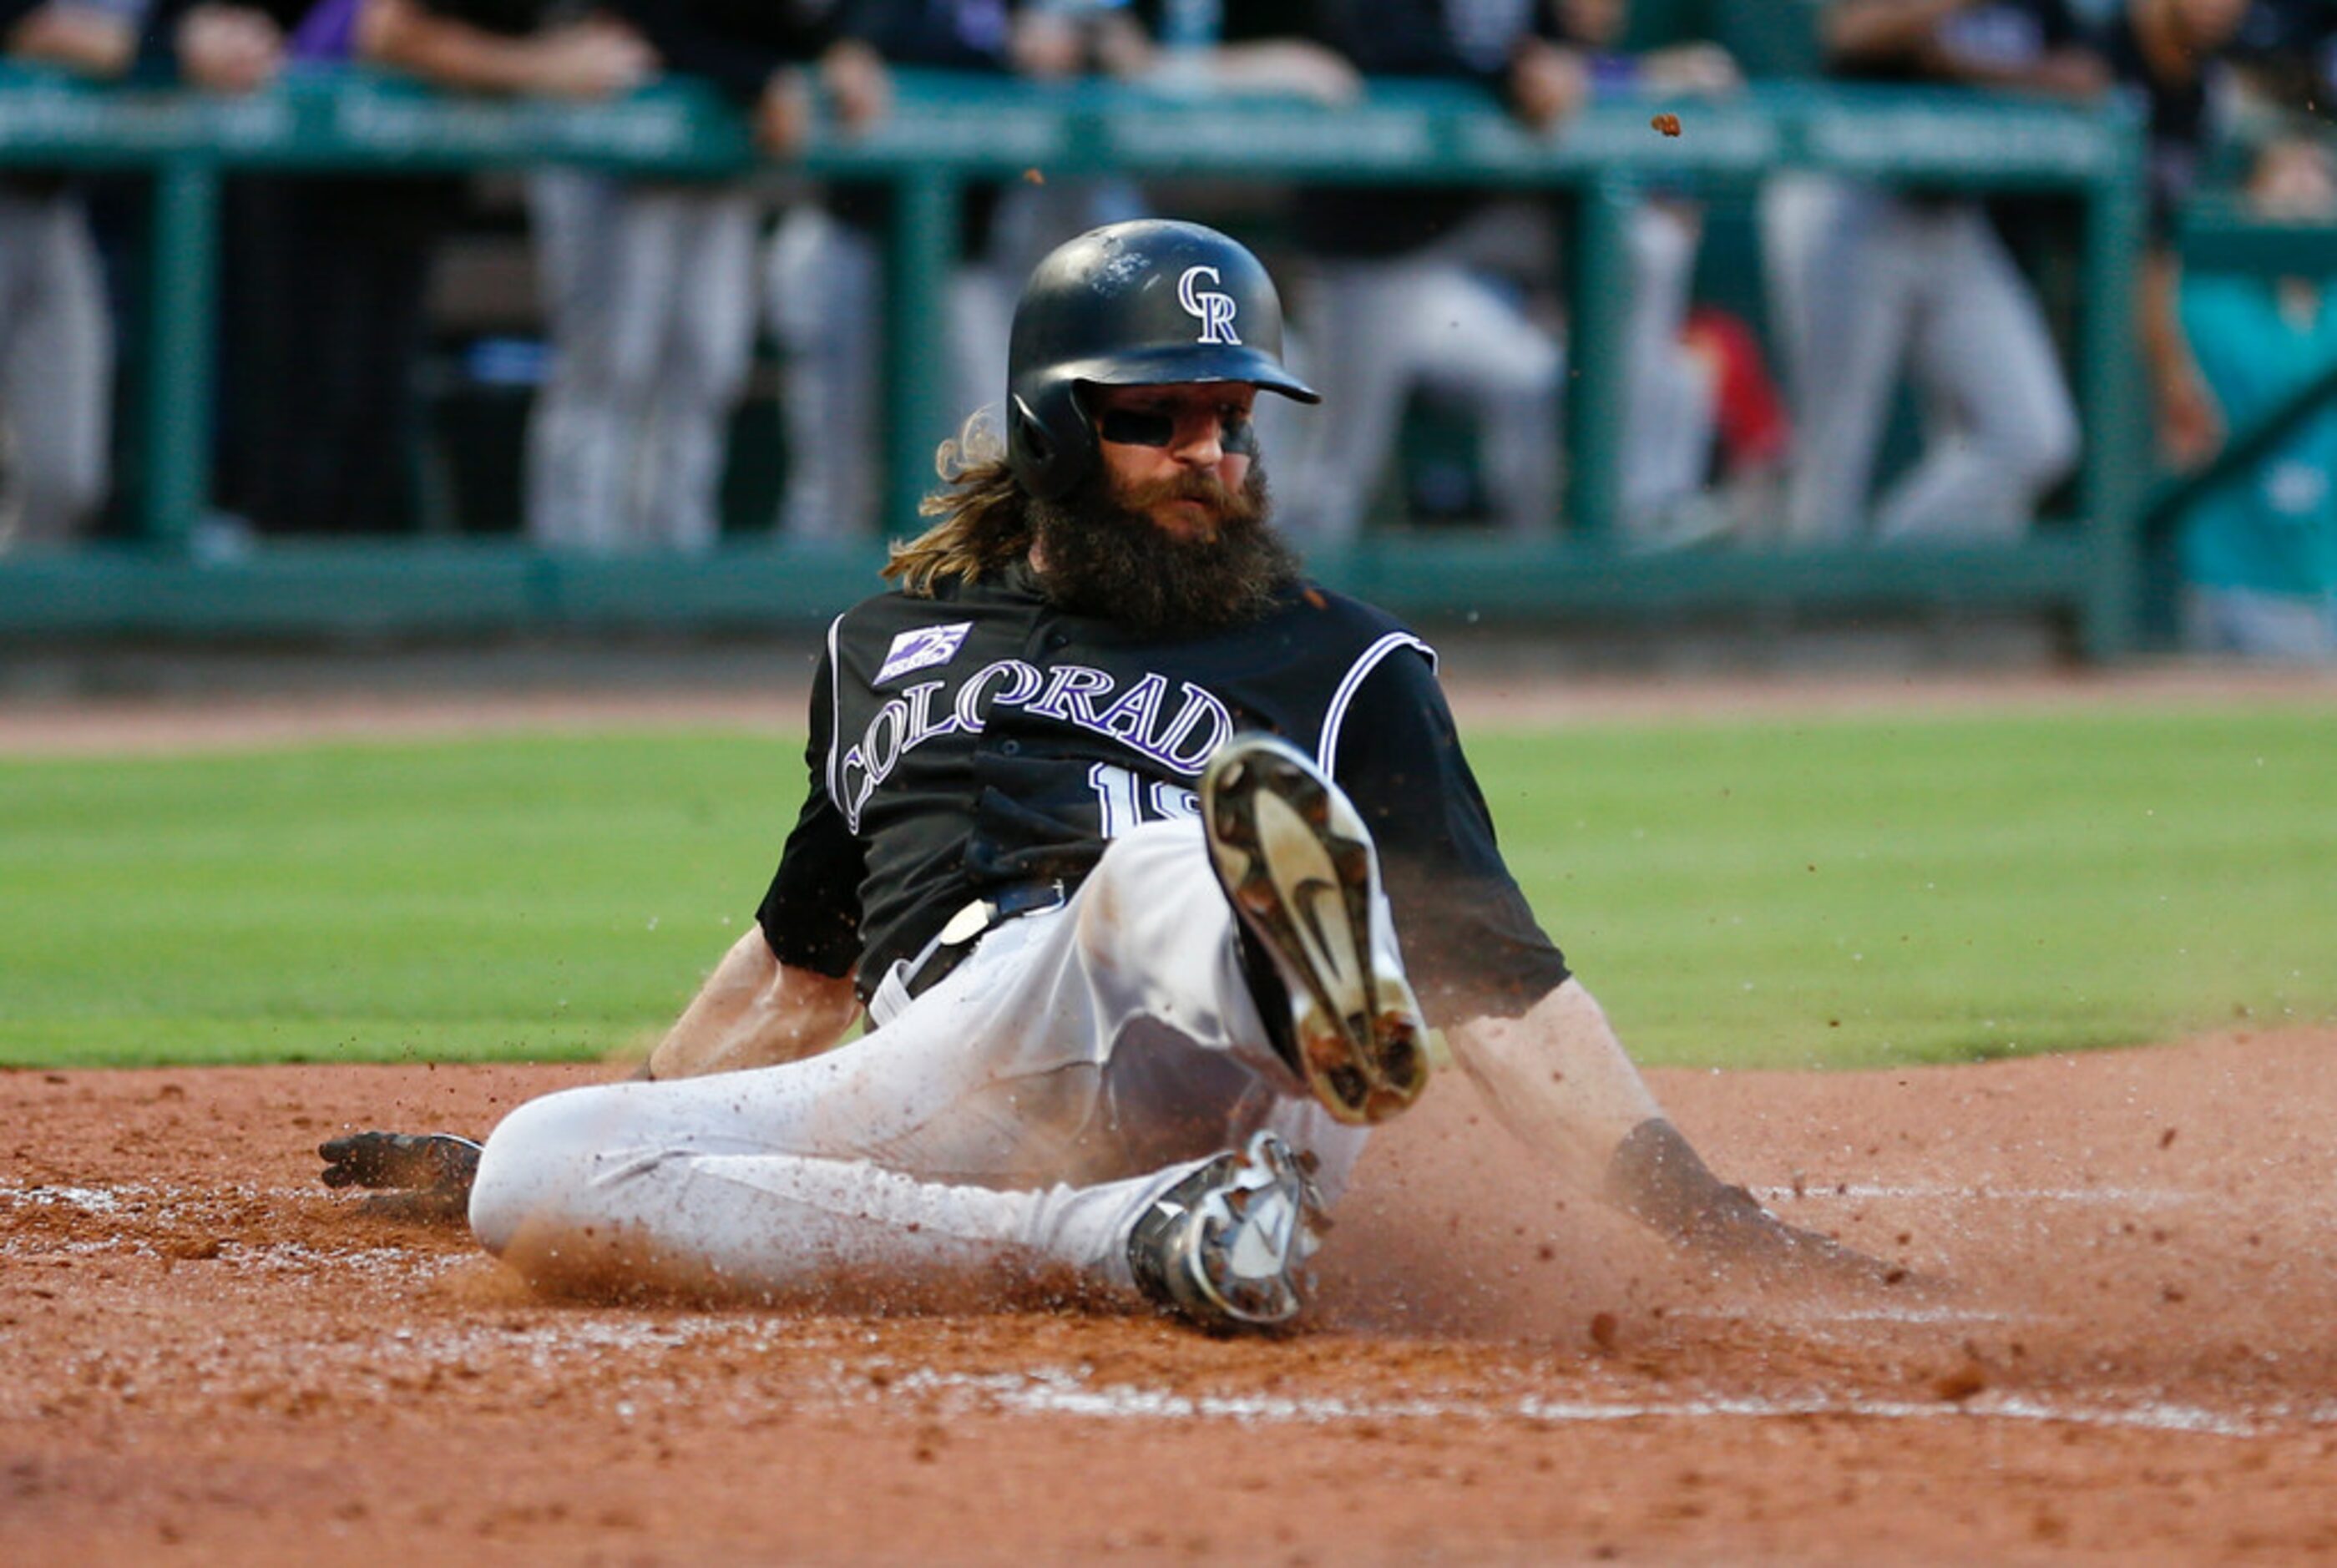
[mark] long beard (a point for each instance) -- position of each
(1105, 557)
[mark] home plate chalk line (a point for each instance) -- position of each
(1068, 1392)
(1978, 1193)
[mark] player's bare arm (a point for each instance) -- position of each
(228, 48)
(85, 39)
(1559, 1079)
(1878, 30)
(2190, 426)
(1548, 83)
(595, 58)
(1298, 66)
(754, 1011)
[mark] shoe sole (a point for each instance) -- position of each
(1298, 865)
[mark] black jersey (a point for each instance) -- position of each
(983, 737)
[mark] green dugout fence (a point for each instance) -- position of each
(949, 132)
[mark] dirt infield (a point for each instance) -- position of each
(206, 1358)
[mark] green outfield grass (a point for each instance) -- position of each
(1819, 892)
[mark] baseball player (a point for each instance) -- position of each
(1412, 288)
(1112, 821)
(650, 284)
(56, 336)
(824, 282)
(2169, 53)
(1419, 288)
(1883, 277)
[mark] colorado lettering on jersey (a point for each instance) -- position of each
(1178, 733)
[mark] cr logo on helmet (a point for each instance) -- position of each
(1214, 310)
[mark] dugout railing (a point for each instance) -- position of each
(949, 132)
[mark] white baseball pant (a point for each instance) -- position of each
(1377, 328)
(1888, 278)
(824, 283)
(1013, 1122)
(56, 364)
(649, 297)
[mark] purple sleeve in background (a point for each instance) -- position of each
(328, 33)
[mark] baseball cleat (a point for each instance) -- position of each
(1223, 1247)
(1298, 865)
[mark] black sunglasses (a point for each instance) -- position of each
(1157, 428)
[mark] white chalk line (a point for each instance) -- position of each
(1935, 1316)
(131, 1202)
(126, 1195)
(1941, 1192)
(1063, 1392)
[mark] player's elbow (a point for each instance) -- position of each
(82, 40)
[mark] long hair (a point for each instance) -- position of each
(985, 515)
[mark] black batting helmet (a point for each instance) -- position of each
(1138, 304)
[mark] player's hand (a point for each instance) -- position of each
(1045, 46)
(2071, 73)
(228, 48)
(2190, 426)
(856, 82)
(1120, 48)
(1705, 69)
(1304, 69)
(1548, 84)
(593, 59)
(783, 113)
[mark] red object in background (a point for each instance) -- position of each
(1751, 425)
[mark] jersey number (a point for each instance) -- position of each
(1124, 800)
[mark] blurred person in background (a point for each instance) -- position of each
(1890, 278)
(825, 274)
(1219, 47)
(2167, 52)
(1413, 288)
(1057, 44)
(2286, 52)
(825, 279)
(650, 284)
(328, 274)
(2258, 553)
(1427, 289)
(1672, 392)
(56, 336)
(221, 47)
